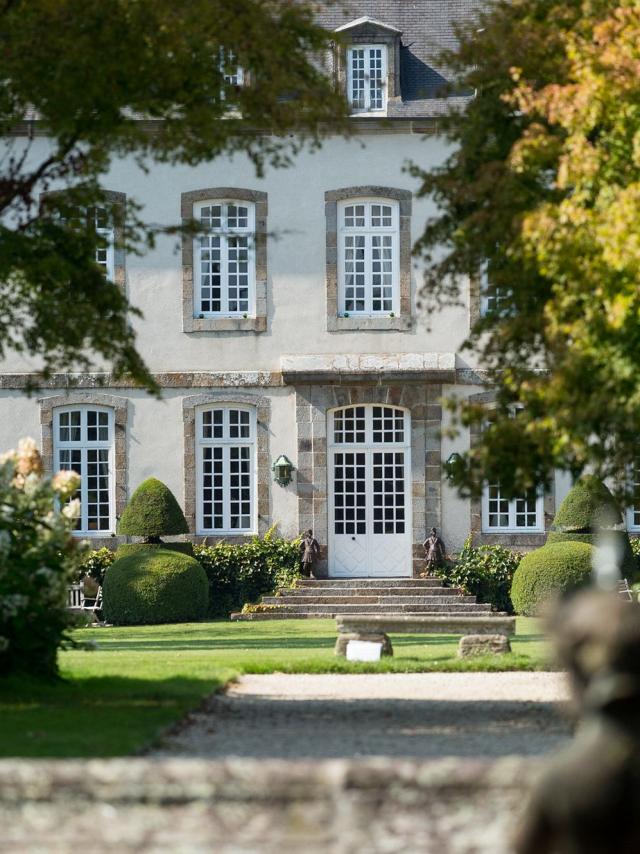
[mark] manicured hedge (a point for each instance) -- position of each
(628, 562)
(155, 586)
(555, 568)
(132, 548)
(152, 511)
(240, 573)
(588, 505)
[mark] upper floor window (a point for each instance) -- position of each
(84, 443)
(368, 257)
(367, 77)
(494, 300)
(232, 73)
(105, 251)
(225, 461)
(224, 259)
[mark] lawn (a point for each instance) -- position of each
(114, 700)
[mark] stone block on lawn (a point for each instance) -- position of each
(372, 637)
(470, 645)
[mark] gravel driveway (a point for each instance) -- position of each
(418, 715)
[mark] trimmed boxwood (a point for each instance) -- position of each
(555, 568)
(589, 508)
(133, 548)
(152, 512)
(155, 586)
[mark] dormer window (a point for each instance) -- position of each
(367, 76)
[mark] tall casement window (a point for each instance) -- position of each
(84, 443)
(367, 77)
(225, 452)
(523, 513)
(224, 259)
(105, 252)
(368, 257)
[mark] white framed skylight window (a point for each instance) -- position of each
(232, 73)
(368, 256)
(524, 514)
(84, 443)
(226, 476)
(224, 259)
(367, 77)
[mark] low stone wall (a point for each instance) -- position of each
(448, 806)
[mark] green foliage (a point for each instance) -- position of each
(541, 191)
(131, 548)
(588, 506)
(163, 63)
(154, 586)
(152, 511)
(95, 563)
(635, 549)
(240, 574)
(485, 572)
(38, 557)
(554, 569)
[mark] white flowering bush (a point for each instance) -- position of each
(37, 559)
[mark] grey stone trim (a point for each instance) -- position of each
(516, 540)
(262, 406)
(368, 367)
(475, 300)
(119, 202)
(173, 379)
(257, 323)
(423, 404)
(119, 406)
(404, 321)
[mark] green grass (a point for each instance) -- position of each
(114, 700)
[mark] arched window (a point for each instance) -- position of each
(368, 257)
(225, 460)
(84, 443)
(224, 259)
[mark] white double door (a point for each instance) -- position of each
(369, 505)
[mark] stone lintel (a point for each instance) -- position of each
(369, 367)
(361, 624)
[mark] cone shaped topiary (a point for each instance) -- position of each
(589, 507)
(152, 512)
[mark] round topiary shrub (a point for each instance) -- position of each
(152, 512)
(555, 568)
(126, 549)
(155, 586)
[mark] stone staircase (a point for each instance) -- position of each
(331, 596)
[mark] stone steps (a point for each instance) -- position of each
(338, 601)
(367, 596)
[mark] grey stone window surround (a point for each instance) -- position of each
(262, 405)
(119, 405)
(313, 402)
(118, 200)
(257, 323)
(404, 321)
(371, 34)
(514, 539)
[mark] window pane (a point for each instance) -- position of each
(357, 94)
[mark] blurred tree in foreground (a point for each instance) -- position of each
(541, 201)
(155, 79)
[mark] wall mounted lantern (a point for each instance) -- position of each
(453, 465)
(282, 469)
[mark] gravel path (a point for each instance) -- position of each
(418, 715)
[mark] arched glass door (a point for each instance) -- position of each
(369, 495)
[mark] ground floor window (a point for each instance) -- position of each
(501, 514)
(83, 442)
(225, 460)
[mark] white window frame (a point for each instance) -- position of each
(512, 526)
(632, 509)
(225, 234)
(366, 107)
(226, 442)
(490, 301)
(228, 61)
(368, 231)
(84, 445)
(108, 235)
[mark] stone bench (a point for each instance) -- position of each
(479, 634)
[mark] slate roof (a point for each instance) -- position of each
(427, 28)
